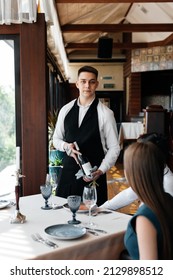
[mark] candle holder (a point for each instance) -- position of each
(18, 217)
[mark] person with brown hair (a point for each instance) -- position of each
(128, 196)
(149, 232)
(89, 123)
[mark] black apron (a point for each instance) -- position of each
(88, 139)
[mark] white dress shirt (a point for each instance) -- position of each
(128, 196)
(107, 128)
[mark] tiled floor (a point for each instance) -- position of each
(116, 184)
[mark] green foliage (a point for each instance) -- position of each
(56, 162)
(55, 158)
(52, 118)
(7, 127)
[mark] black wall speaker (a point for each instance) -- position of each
(105, 47)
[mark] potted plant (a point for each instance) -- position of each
(55, 156)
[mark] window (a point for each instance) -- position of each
(8, 116)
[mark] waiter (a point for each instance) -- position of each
(92, 126)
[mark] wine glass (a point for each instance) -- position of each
(53, 178)
(74, 203)
(46, 191)
(54, 182)
(47, 181)
(90, 199)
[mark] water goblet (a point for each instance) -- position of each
(74, 203)
(46, 191)
(90, 199)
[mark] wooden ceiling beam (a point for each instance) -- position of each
(167, 41)
(93, 46)
(121, 46)
(149, 27)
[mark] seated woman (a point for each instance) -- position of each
(149, 232)
(128, 196)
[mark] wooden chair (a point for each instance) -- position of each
(155, 119)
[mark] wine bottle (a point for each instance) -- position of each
(83, 162)
(85, 165)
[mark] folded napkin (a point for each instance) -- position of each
(80, 173)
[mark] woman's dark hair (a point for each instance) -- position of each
(144, 169)
(159, 140)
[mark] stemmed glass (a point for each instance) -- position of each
(90, 199)
(74, 203)
(46, 191)
(53, 180)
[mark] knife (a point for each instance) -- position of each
(92, 232)
(101, 212)
(55, 207)
(96, 229)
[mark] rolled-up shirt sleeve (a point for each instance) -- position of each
(122, 199)
(59, 134)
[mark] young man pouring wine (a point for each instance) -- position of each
(91, 125)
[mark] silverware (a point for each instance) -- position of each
(92, 232)
(101, 212)
(96, 229)
(12, 203)
(56, 207)
(51, 243)
(37, 237)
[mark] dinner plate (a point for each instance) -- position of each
(82, 209)
(4, 203)
(65, 231)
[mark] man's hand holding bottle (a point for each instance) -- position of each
(94, 176)
(88, 172)
(71, 151)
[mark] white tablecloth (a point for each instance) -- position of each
(130, 130)
(16, 241)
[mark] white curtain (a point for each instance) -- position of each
(18, 11)
(47, 7)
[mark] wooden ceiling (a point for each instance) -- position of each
(84, 22)
(131, 25)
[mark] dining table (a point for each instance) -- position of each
(16, 240)
(130, 131)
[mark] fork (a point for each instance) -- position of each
(38, 238)
(50, 243)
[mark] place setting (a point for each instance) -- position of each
(38, 238)
(75, 228)
(70, 230)
(4, 203)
